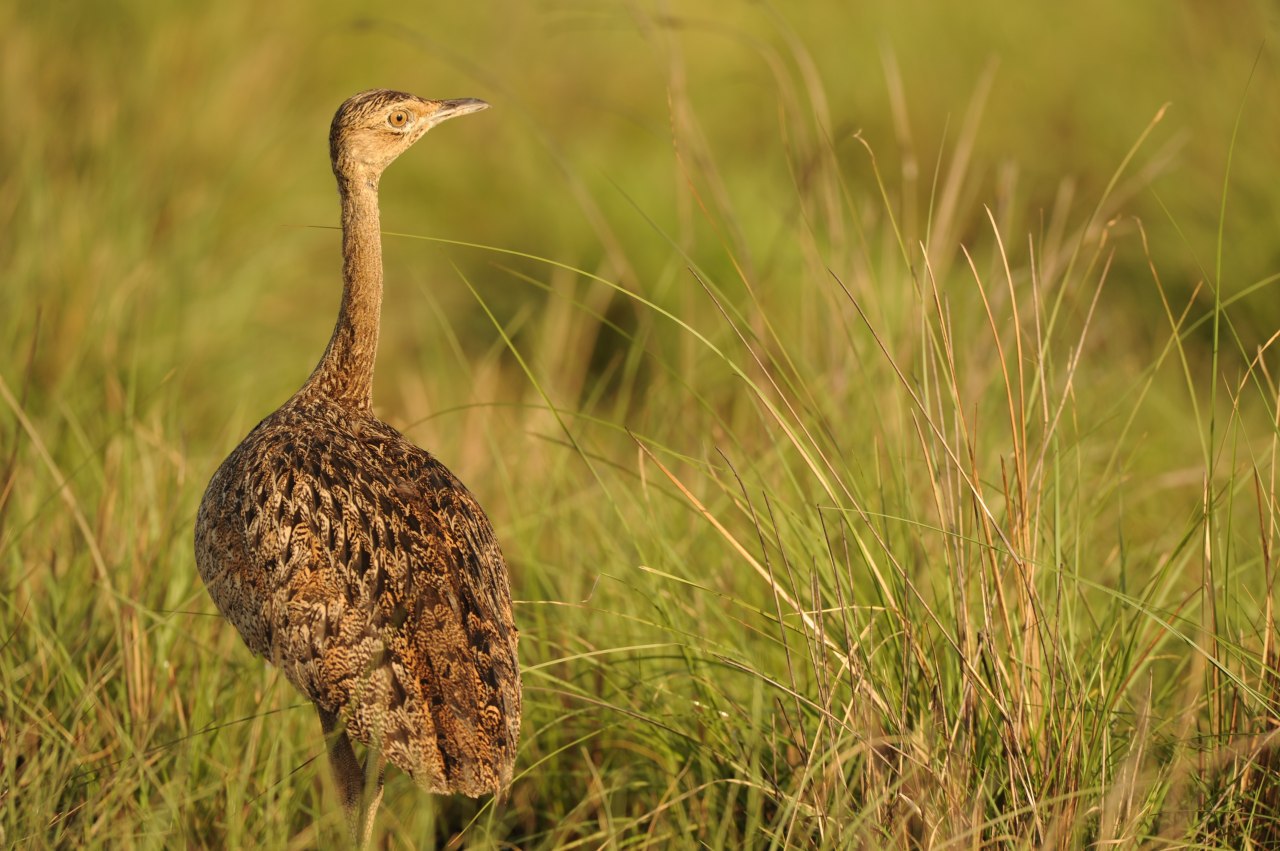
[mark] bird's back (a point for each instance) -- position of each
(369, 574)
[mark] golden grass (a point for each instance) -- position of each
(880, 460)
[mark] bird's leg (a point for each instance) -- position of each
(374, 772)
(354, 779)
(348, 774)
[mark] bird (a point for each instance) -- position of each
(356, 562)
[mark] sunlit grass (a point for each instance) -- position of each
(861, 487)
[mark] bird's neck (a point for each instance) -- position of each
(345, 372)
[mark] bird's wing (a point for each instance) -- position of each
(391, 602)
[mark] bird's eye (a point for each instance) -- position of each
(399, 118)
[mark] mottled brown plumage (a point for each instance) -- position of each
(352, 559)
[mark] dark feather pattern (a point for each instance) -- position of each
(362, 568)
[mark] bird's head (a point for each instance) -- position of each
(373, 128)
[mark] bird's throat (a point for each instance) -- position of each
(345, 372)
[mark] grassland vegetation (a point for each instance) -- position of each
(878, 409)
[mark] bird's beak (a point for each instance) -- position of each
(446, 109)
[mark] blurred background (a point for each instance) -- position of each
(649, 248)
(168, 163)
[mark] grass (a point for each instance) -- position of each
(883, 437)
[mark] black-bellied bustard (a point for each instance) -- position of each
(355, 561)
